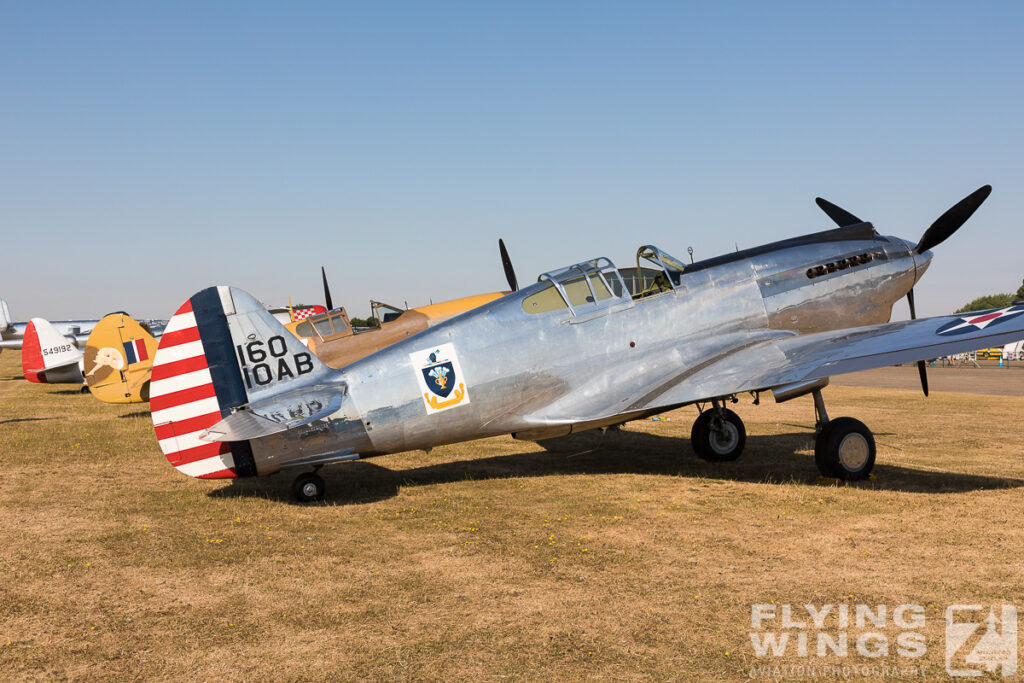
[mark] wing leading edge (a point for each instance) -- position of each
(808, 357)
(765, 362)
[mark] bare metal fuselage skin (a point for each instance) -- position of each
(541, 374)
(12, 335)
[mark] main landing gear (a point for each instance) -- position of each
(308, 487)
(844, 448)
(718, 434)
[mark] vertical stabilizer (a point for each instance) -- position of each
(6, 323)
(48, 356)
(118, 360)
(221, 350)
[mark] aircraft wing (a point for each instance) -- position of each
(801, 358)
(769, 362)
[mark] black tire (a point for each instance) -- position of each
(820, 458)
(845, 449)
(718, 439)
(308, 487)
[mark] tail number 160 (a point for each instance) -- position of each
(266, 362)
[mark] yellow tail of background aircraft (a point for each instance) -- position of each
(119, 359)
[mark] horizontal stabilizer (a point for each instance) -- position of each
(74, 362)
(277, 414)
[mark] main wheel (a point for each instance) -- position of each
(308, 487)
(845, 449)
(718, 436)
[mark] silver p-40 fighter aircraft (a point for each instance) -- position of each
(591, 345)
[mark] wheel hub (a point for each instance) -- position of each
(723, 436)
(853, 451)
(309, 489)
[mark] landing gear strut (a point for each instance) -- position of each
(718, 434)
(844, 448)
(308, 486)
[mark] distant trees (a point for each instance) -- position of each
(992, 301)
(987, 301)
(364, 322)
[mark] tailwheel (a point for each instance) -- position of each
(718, 435)
(845, 449)
(308, 487)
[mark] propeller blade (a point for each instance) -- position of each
(327, 290)
(950, 222)
(506, 262)
(841, 217)
(922, 367)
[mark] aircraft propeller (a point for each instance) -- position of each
(949, 222)
(937, 233)
(327, 290)
(506, 262)
(922, 367)
(841, 217)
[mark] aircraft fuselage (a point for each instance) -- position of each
(12, 335)
(517, 368)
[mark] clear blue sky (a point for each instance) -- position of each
(148, 150)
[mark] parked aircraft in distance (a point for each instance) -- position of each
(118, 359)
(586, 346)
(332, 338)
(48, 357)
(12, 333)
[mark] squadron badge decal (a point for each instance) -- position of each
(440, 378)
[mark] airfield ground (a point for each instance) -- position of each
(987, 379)
(623, 557)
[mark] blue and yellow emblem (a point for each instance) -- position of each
(440, 378)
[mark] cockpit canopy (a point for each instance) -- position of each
(597, 283)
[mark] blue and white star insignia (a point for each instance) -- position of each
(980, 320)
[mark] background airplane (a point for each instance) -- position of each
(48, 357)
(118, 359)
(579, 349)
(12, 333)
(332, 338)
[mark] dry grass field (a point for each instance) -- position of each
(620, 557)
